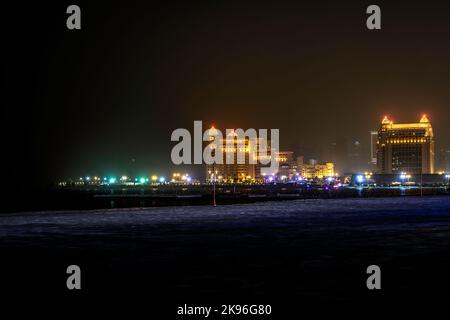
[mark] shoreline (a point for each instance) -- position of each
(118, 198)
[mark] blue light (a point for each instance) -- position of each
(142, 180)
(360, 178)
(112, 180)
(88, 178)
(162, 179)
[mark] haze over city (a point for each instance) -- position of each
(115, 91)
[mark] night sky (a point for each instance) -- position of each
(89, 101)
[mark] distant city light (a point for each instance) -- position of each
(142, 180)
(447, 176)
(124, 178)
(112, 180)
(162, 179)
(154, 178)
(360, 178)
(88, 178)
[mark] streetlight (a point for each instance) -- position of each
(213, 178)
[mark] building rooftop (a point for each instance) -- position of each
(423, 123)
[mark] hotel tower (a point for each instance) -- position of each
(407, 148)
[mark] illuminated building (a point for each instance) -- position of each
(300, 164)
(232, 171)
(287, 166)
(405, 148)
(317, 170)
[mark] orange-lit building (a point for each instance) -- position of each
(234, 172)
(318, 170)
(407, 148)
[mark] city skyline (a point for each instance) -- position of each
(311, 70)
(225, 158)
(357, 159)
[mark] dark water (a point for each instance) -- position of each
(295, 251)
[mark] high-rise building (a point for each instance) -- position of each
(373, 147)
(230, 170)
(340, 155)
(287, 166)
(405, 148)
(355, 160)
(443, 160)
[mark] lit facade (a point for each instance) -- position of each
(318, 170)
(233, 172)
(407, 148)
(287, 166)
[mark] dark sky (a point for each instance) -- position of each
(89, 101)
